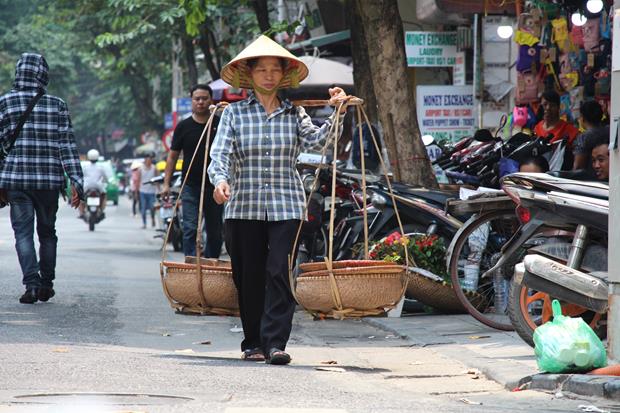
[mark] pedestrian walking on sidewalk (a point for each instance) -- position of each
(147, 191)
(253, 170)
(185, 139)
(32, 175)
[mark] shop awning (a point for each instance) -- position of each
(319, 41)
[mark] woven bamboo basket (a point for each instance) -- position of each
(364, 290)
(212, 292)
(438, 294)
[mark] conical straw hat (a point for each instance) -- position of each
(236, 72)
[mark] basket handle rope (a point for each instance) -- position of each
(207, 130)
(330, 136)
(362, 117)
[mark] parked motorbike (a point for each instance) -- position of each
(166, 214)
(421, 210)
(314, 234)
(93, 213)
(564, 239)
(168, 218)
(483, 168)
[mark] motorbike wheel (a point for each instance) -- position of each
(499, 226)
(91, 222)
(529, 309)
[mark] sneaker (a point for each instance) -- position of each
(45, 293)
(29, 297)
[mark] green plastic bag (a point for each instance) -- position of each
(567, 345)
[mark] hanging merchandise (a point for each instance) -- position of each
(528, 28)
(527, 88)
(603, 82)
(519, 116)
(573, 61)
(560, 34)
(576, 35)
(588, 81)
(576, 99)
(591, 35)
(565, 108)
(529, 58)
(605, 26)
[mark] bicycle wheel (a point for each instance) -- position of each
(476, 248)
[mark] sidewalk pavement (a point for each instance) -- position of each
(501, 356)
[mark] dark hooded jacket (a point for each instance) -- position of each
(45, 148)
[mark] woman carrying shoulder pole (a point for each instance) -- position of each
(253, 171)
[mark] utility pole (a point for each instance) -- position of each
(613, 317)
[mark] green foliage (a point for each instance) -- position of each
(105, 55)
(282, 27)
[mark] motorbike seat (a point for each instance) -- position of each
(429, 195)
(558, 180)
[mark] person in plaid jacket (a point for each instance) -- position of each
(33, 174)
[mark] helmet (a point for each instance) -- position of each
(93, 155)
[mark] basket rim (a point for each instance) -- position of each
(184, 266)
(352, 272)
(322, 265)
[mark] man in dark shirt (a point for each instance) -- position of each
(185, 139)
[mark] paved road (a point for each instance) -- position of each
(110, 331)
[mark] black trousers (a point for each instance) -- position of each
(259, 253)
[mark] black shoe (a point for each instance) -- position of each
(29, 297)
(45, 293)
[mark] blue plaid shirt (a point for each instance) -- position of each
(45, 148)
(256, 155)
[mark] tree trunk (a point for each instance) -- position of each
(203, 42)
(190, 59)
(262, 14)
(383, 30)
(362, 75)
(216, 53)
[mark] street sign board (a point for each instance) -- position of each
(446, 112)
(430, 49)
(184, 105)
(168, 120)
(458, 73)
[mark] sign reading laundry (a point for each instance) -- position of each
(446, 112)
(430, 49)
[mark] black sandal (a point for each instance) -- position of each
(278, 357)
(253, 354)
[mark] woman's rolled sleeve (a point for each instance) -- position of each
(221, 150)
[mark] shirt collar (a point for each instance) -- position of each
(284, 103)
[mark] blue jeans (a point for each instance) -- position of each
(25, 205)
(147, 202)
(212, 218)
